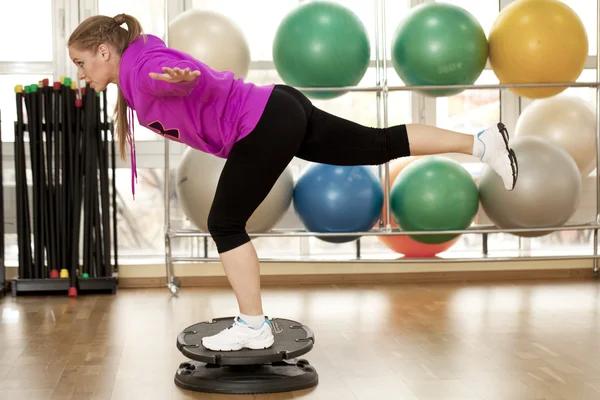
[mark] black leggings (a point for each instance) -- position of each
(290, 127)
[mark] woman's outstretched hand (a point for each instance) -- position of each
(174, 75)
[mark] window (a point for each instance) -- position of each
(150, 13)
(466, 112)
(27, 60)
(470, 110)
(586, 9)
(140, 221)
(29, 55)
(28, 39)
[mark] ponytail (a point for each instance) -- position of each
(134, 30)
(100, 29)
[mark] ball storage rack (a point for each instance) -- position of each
(63, 212)
(382, 90)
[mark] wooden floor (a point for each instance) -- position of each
(519, 341)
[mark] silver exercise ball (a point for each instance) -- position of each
(567, 121)
(547, 192)
(213, 39)
(197, 178)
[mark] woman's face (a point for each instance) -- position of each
(98, 68)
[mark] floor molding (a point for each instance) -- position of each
(376, 278)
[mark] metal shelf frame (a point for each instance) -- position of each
(382, 90)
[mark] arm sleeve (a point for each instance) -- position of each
(159, 88)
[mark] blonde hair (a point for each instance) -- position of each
(101, 29)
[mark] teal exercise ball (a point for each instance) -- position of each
(439, 44)
(434, 193)
(321, 44)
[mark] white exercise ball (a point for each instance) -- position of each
(213, 39)
(197, 178)
(547, 193)
(567, 121)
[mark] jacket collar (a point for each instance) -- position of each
(129, 61)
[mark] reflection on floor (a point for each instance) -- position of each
(424, 341)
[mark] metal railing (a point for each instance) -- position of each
(382, 90)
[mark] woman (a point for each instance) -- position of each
(258, 129)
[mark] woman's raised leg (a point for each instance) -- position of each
(334, 140)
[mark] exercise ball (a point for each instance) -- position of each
(432, 194)
(331, 198)
(321, 44)
(439, 44)
(211, 38)
(567, 121)
(404, 244)
(407, 246)
(547, 192)
(537, 41)
(197, 178)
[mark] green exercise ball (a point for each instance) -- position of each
(439, 44)
(432, 194)
(321, 44)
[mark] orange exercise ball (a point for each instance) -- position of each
(537, 41)
(401, 243)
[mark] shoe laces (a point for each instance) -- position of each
(237, 324)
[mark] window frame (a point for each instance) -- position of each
(67, 14)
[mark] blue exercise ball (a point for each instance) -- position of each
(331, 198)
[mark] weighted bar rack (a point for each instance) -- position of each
(64, 240)
(382, 90)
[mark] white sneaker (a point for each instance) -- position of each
(498, 155)
(240, 335)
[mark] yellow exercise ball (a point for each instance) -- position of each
(537, 41)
